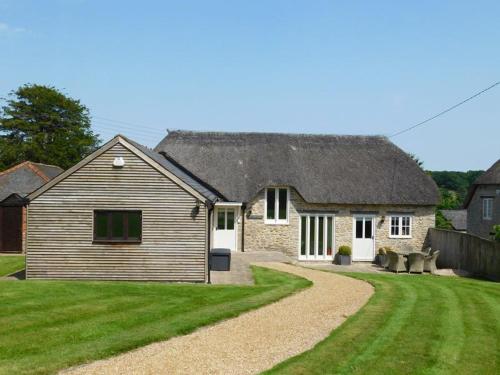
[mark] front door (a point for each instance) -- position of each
(224, 225)
(364, 238)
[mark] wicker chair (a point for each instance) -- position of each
(430, 262)
(428, 251)
(397, 262)
(416, 262)
(386, 261)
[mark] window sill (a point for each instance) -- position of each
(401, 237)
(276, 223)
(116, 242)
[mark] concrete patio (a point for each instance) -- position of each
(241, 273)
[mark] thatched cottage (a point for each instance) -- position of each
(129, 212)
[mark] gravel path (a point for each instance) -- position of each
(254, 341)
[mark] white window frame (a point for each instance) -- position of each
(487, 208)
(316, 216)
(276, 220)
(400, 226)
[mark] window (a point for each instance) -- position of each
(359, 228)
(225, 219)
(117, 226)
(400, 227)
(316, 237)
(487, 208)
(277, 206)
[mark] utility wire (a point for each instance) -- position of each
(135, 126)
(119, 129)
(445, 111)
(102, 128)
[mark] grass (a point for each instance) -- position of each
(10, 264)
(412, 324)
(50, 325)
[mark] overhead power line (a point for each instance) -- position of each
(122, 123)
(111, 130)
(445, 111)
(119, 129)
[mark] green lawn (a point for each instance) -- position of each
(10, 264)
(413, 324)
(49, 325)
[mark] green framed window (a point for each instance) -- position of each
(117, 226)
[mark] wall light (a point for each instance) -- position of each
(118, 162)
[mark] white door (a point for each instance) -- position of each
(224, 228)
(364, 238)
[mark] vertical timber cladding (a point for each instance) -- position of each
(60, 225)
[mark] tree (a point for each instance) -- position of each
(442, 222)
(41, 124)
(457, 183)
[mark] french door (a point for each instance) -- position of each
(316, 237)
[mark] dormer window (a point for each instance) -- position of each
(277, 205)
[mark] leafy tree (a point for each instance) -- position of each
(457, 183)
(496, 232)
(449, 200)
(453, 187)
(41, 124)
(442, 222)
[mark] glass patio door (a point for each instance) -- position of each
(316, 237)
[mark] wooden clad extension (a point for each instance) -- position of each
(60, 225)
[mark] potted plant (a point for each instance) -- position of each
(344, 255)
(381, 256)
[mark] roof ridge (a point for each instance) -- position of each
(37, 171)
(312, 135)
(15, 167)
(47, 165)
(492, 172)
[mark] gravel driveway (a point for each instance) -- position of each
(254, 341)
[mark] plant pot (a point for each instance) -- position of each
(344, 260)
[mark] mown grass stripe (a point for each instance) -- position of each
(386, 330)
(450, 326)
(146, 312)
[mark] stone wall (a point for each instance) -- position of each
(285, 237)
(475, 223)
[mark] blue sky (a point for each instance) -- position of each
(352, 67)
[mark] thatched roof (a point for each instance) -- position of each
(322, 168)
(178, 170)
(490, 177)
(458, 218)
(25, 178)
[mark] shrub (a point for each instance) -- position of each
(496, 232)
(344, 250)
(381, 251)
